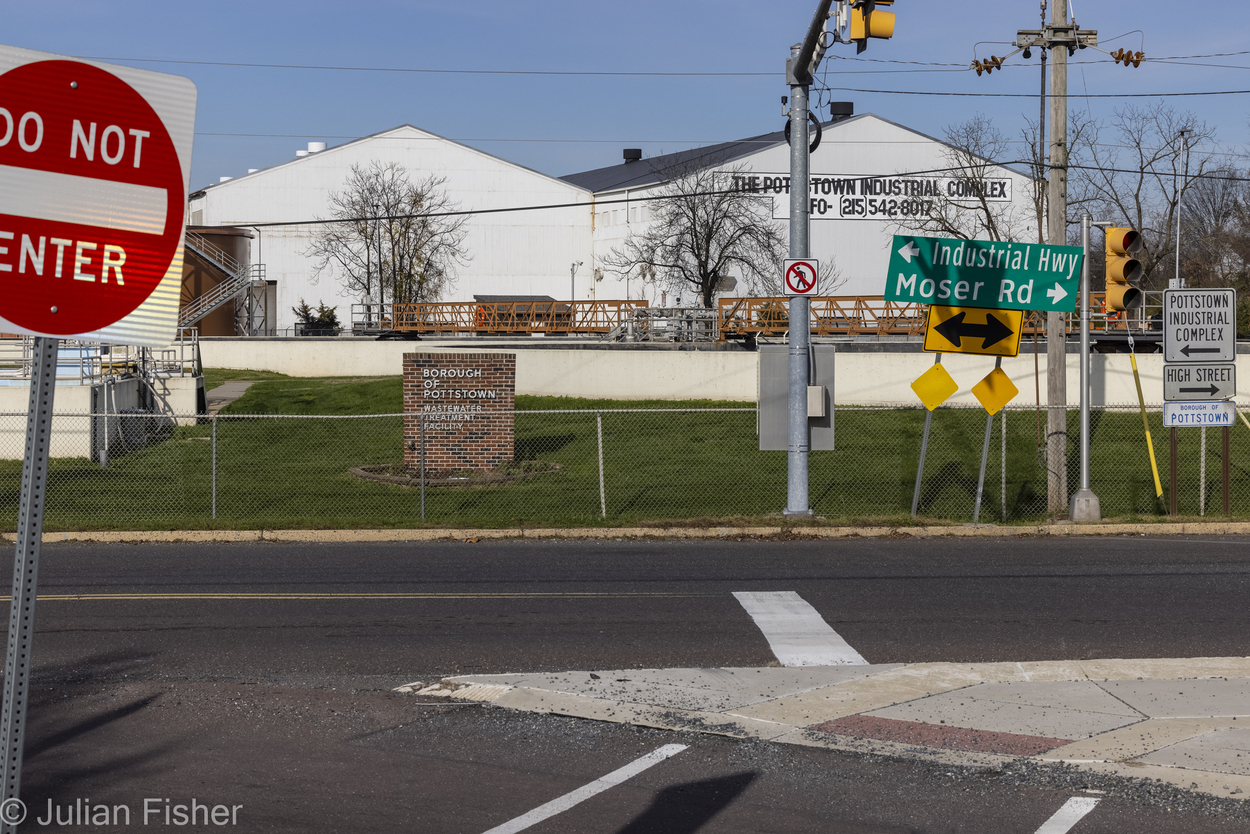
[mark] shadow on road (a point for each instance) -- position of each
(686, 808)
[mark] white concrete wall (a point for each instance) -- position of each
(78, 414)
(863, 378)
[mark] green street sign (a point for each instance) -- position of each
(983, 273)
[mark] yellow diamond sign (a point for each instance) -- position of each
(995, 391)
(934, 386)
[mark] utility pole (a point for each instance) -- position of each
(1062, 39)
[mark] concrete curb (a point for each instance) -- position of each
(1142, 739)
(1208, 528)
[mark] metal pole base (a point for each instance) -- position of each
(1085, 506)
(797, 513)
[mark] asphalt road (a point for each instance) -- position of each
(259, 675)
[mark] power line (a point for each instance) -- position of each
(1036, 95)
(331, 67)
(431, 71)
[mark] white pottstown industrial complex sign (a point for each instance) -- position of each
(872, 197)
(1199, 325)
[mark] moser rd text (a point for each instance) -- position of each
(982, 273)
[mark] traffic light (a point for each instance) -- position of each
(867, 22)
(1123, 269)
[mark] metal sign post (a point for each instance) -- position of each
(99, 168)
(25, 577)
(985, 456)
(1084, 504)
(1199, 373)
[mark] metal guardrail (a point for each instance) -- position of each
(733, 318)
(86, 363)
(873, 315)
(513, 318)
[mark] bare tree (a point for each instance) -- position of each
(1135, 170)
(1215, 230)
(391, 244)
(703, 227)
(967, 205)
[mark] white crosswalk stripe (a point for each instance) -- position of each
(795, 631)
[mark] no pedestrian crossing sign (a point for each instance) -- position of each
(802, 276)
(94, 165)
(983, 273)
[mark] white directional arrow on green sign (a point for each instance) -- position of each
(983, 273)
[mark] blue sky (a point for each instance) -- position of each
(253, 116)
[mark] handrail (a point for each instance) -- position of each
(514, 317)
(239, 277)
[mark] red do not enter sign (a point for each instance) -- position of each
(92, 198)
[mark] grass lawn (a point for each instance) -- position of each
(289, 471)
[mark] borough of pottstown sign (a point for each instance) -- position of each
(983, 273)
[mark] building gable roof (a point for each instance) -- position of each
(656, 170)
(400, 131)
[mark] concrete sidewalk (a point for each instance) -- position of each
(1185, 722)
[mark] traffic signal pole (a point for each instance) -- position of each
(804, 60)
(799, 77)
(797, 502)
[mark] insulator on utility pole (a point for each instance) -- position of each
(988, 65)
(1128, 57)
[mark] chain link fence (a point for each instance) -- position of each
(595, 467)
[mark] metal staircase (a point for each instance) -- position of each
(238, 279)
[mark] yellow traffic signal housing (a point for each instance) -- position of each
(867, 22)
(1123, 269)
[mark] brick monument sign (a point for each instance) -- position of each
(467, 400)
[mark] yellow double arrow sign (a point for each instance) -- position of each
(974, 330)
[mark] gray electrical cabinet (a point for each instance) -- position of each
(773, 413)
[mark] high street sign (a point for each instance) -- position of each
(94, 165)
(1199, 325)
(982, 273)
(1199, 381)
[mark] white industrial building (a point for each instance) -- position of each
(510, 253)
(866, 172)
